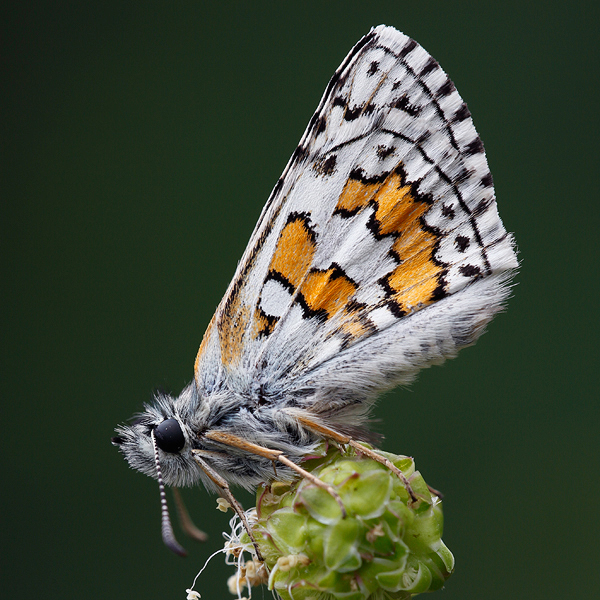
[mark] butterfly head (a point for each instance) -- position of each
(160, 430)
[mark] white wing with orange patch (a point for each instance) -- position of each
(380, 250)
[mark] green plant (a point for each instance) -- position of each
(386, 546)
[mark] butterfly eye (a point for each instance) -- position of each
(169, 436)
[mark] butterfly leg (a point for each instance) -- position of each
(274, 455)
(315, 480)
(384, 461)
(188, 526)
(347, 440)
(224, 487)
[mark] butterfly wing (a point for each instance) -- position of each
(380, 250)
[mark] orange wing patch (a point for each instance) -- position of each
(295, 250)
(355, 323)
(416, 280)
(355, 195)
(398, 209)
(327, 292)
(291, 261)
(232, 326)
(232, 323)
(413, 283)
(263, 324)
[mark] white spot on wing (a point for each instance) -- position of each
(275, 298)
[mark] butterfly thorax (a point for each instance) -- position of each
(266, 424)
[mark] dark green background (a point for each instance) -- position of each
(139, 143)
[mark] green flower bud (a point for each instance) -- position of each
(387, 546)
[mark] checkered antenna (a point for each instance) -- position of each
(165, 525)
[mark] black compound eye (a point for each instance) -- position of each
(169, 437)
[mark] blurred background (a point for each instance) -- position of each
(139, 142)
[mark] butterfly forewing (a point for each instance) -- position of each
(380, 250)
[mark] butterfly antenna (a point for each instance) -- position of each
(165, 522)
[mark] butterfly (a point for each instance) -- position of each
(379, 252)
